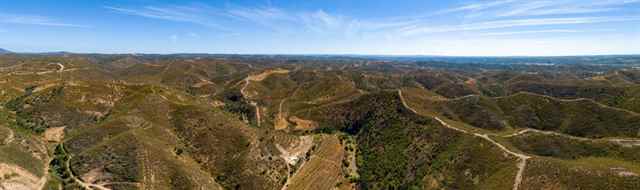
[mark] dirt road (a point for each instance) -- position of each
(619, 141)
(258, 77)
(523, 158)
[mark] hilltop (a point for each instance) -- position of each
(93, 121)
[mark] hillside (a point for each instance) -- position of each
(79, 121)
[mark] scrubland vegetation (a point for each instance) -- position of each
(317, 122)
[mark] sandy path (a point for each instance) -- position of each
(523, 158)
(246, 96)
(281, 121)
(575, 100)
(82, 183)
(619, 141)
(258, 77)
(61, 67)
(10, 137)
(78, 180)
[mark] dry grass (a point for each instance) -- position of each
(265, 74)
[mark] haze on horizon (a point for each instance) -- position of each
(409, 27)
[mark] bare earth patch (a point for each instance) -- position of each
(93, 176)
(264, 75)
(302, 124)
(294, 153)
(9, 136)
(599, 78)
(323, 170)
(16, 178)
(217, 103)
(622, 172)
(44, 87)
(202, 83)
(281, 121)
(54, 134)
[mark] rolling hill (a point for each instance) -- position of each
(92, 121)
(4, 51)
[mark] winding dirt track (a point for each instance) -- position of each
(523, 158)
(246, 96)
(77, 180)
(281, 121)
(258, 77)
(576, 100)
(60, 70)
(61, 67)
(618, 141)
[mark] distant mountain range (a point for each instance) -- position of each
(4, 51)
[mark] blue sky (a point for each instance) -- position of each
(402, 27)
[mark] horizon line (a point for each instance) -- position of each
(324, 54)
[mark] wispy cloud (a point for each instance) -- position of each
(174, 38)
(193, 35)
(418, 29)
(478, 6)
(324, 22)
(502, 14)
(321, 21)
(261, 15)
(190, 14)
(539, 8)
(513, 8)
(274, 18)
(529, 32)
(496, 14)
(614, 2)
(279, 20)
(563, 11)
(36, 20)
(318, 21)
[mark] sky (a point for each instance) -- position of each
(380, 27)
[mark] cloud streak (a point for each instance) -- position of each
(260, 15)
(499, 24)
(519, 8)
(476, 6)
(497, 14)
(188, 14)
(529, 32)
(36, 20)
(318, 21)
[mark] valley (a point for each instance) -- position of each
(123, 121)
